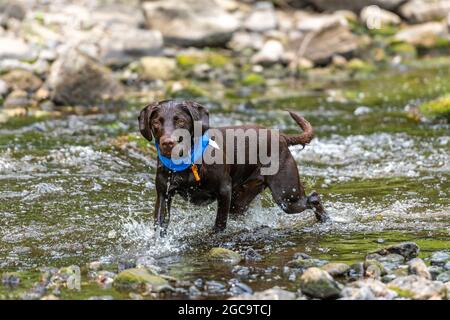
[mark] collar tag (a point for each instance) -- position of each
(195, 172)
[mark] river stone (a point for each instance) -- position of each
(274, 293)
(418, 11)
(271, 52)
(444, 277)
(418, 267)
(306, 263)
(191, 22)
(11, 279)
(22, 80)
(252, 255)
(447, 265)
(317, 283)
(224, 255)
(76, 79)
(440, 258)
(354, 5)
(408, 250)
(417, 288)
(11, 9)
(4, 88)
(243, 40)
(435, 271)
(262, 18)
(154, 68)
(375, 18)
(336, 269)
(425, 35)
(18, 99)
(356, 271)
(389, 261)
(367, 289)
(16, 49)
(138, 279)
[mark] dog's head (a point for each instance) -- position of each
(162, 120)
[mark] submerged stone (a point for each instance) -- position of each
(224, 255)
(319, 284)
(274, 293)
(138, 279)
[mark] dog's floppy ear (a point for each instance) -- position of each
(198, 113)
(144, 121)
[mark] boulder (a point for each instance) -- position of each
(418, 267)
(417, 288)
(439, 258)
(367, 289)
(317, 283)
(408, 250)
(336, 269)
(274, 293)
(444, 277)
(139, 279)
(387, 262)
(18, 99)
(17, 49)
(425, 35)
(272, 52)
(354, 5)
(418, 11)
(191, 22)
(374, 17)
(224, 255)
(120, 44)
(154, 68)
(262, 18)
(76, 79)
(22, 80)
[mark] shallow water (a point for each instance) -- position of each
(69, 197)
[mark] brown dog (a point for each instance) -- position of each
(234, 186)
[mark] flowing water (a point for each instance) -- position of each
(68, 196)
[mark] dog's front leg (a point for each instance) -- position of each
(162, 212)
(223, 207)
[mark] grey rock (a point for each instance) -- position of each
(10, 279)
(17, 49)
(444, 277)
(274, 293)
(417, 288)
(356, 271)
(243, 40)
(440, 258)
(367, 289)
(271, 52)
(101, 298)
(355, 5)
(435, 271)
(418, 267)
(306, 263)
(418, 11)
(447, 265)
(336, 269)
(4, 88)
(425, 35)
(252, 255)
(389, 262)
(11, 10)
(262, 18)
(408, 250)
(317, 283)
(73, 76)
(374, 17)
(362, 110)
(22, 80)
(207, 23)
(18, 99)
(215, 287)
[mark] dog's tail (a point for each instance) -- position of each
(305, 137)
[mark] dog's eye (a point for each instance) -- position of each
(180, 122)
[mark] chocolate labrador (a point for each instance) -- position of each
(232, 185)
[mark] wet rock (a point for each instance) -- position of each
(262, 18)
(418, 267)
(301, 255)
(244, 40)
(408, 250)
(224, 255)
(417, 288)
(306, 263)
(439, 258)
(418, 11)
(274, 293)
(138, 279)
(22, 80)
(435, 271)
(120, 44)
(388, 262)
(367, 289)
(444, 277)
(208, 24)
(354, 5)
(18, 99)
(238, 288)
(241, 271)
(215, 287)
(73, 77)
(16, 49)
(252, 255)
(271, 52)
(374, 271)
(317, 283)
(154, 68)
(194, 292)
(11, 279)
(362, 110)
(425, 35)
(356, 271)
(374, 17)
(447, 265)
(336, 269)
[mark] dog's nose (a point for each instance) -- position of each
(168, 143)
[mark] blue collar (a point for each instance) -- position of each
(184, 163)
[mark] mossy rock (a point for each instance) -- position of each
(188, 91)
(318, 283)
(305, 263)
(224, 255)
(359, 65)
(437, 109)
(214, 59)
(253, 79)
(138, 279)
(404, 49)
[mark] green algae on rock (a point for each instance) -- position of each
(224, 255)
(138, 279)
(438, 108)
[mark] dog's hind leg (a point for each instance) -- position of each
(288, 192)
(243, 195)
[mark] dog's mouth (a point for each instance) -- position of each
(169, 153)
